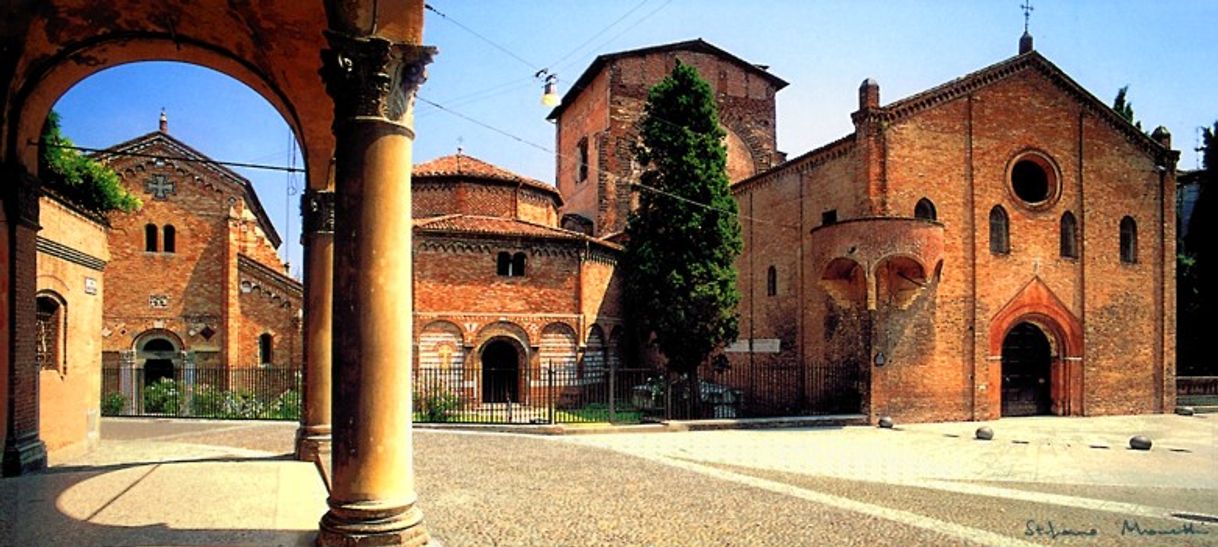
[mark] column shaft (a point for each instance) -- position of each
(313, 436)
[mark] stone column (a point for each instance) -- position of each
(24, 450)
(372, 81)
(317, 209)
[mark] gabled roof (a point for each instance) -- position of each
(1002, 70)
(462, 166)
(697, 45)
(182, 150)
(500, 226)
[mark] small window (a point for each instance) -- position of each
(1000, 236)
(169, 242)
(925, 209)
(266, 343)
(49, 353)
(1069, 236)
(518, 264)
(771, 281)
(583, 160)
(1129, 240)
(509, 265)
(504, 264)
(828, 217)
(150, 238)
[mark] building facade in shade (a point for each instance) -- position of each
(194, 278)
(501, 290)
(984, 248)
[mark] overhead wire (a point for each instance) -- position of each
(596, 169)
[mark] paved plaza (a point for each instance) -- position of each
(1041, 480)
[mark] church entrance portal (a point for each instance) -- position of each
(1026, 367)
(500, 372)
(158, 362)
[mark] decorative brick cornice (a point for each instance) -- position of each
(317, 211)
(372, 78)
(64, 252)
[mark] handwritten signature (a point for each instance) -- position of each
(1052, 530)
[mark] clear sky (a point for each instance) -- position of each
(1165, 51)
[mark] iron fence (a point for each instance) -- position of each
(539, 395)
(252, 393)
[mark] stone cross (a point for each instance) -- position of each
(160, 187)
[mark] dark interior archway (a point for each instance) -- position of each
(158, 362)
(500, 372)
(1027, 359)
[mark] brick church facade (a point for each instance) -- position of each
(501, 291)
(981, 249)
(194, 278)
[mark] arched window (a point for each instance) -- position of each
(503, 265)
(518, 264)
(265, 344)
(583, 159)
(1069, 235)
(1000, 235)
(169, 242)
(1129, 240)
(50, 334)
(150, 238)
(925, 209)
(771, 281)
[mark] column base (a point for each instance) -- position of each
(25, 454)
(312, 442)
(372, 524)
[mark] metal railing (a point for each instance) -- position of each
(248, 393)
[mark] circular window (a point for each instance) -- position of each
(1033, 179)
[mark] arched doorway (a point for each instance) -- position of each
(158, 355)
(500, 372)
(1027, 363)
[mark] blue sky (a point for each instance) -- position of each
(1165, 51)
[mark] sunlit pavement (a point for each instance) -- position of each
(1041, 480)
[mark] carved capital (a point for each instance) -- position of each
(317, 210)
(372, 78)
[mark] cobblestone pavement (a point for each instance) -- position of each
(1040, 481)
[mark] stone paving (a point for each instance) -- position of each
(161, 482)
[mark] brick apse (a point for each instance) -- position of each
(980, 249)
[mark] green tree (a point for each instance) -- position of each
(1123, 107)
(79, 178)
(684, 237)
(1195, 300)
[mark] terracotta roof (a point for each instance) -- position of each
(470, 224)
(696, 44)
(461, 165)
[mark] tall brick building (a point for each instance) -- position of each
(1001, 244)
(194, 277)
(500, 288)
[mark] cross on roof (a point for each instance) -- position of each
(159, 186)
(1027, 13)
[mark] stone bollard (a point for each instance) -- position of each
(985, 433)
(886, 422)
(1186, 410)
(1139, 442)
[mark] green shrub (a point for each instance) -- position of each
(162, 397)
(286, 406)
(435, 406)
(113, 403)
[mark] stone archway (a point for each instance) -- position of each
(501, 370)
(1036, 306)
(1027, 363)
(157, 356)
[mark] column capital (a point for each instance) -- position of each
(317, 211)
(372, 78)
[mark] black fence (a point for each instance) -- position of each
(254, 393)
(544, 395)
